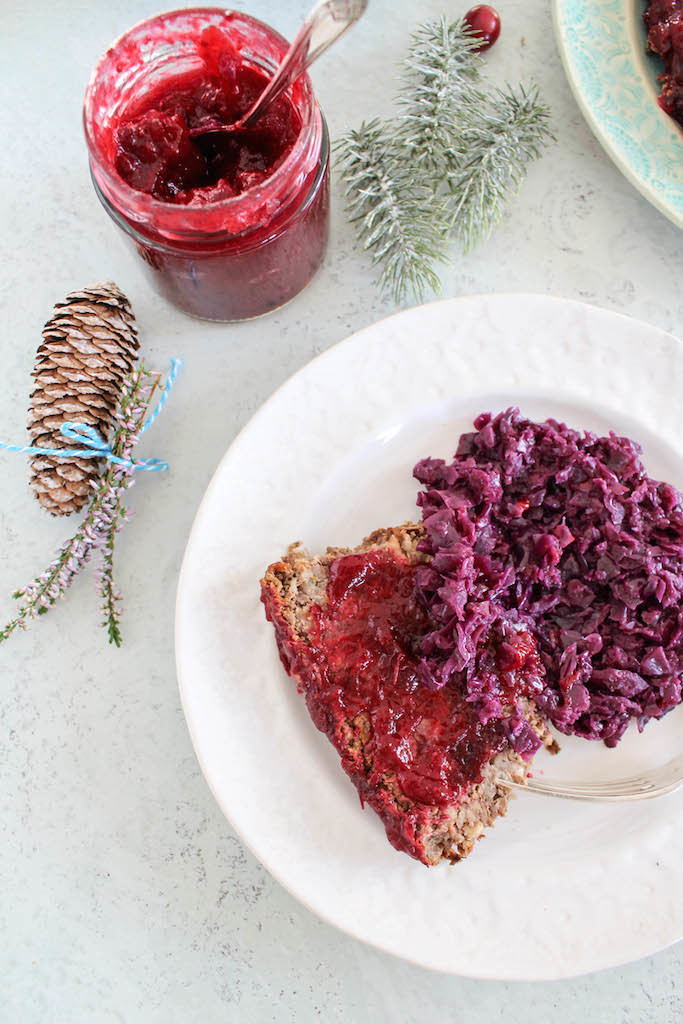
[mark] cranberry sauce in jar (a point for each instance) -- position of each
(228, 225)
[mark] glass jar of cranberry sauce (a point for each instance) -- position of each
(228, 225)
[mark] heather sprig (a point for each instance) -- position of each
(110, 596)
(104, 517)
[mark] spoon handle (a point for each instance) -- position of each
(328, 20)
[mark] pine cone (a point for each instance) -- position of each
(89, 345)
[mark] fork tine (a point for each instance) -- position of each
(554, 786)
(571, 794)
(646, 791)
(666, 779)
(616, 786)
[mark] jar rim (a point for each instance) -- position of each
(118, 190)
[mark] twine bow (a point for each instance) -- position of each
(95, 446)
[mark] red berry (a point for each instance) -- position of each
(485, 21)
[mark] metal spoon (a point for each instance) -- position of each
(324, 24)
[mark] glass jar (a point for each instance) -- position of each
(233, 258)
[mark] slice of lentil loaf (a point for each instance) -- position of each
(429, 833)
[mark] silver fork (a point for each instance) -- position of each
(645, 786)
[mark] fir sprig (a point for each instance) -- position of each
(446, 166)
(490, 160)
(440, 75)
(401, 223)
(98, 529)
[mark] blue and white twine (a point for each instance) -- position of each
(97, 448)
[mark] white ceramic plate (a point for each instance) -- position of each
(614, 80)
(556, 888)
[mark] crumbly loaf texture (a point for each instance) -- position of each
(289, 588)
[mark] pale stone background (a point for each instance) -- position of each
(125, 895)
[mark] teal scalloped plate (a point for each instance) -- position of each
(614, 81)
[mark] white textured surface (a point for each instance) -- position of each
(125, 894)
(306, 479)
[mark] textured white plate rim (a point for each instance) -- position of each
(260, 850)
(595, 124)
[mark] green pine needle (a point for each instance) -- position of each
(441, 73)
(400, 221)
(447, 165)
(491, 159)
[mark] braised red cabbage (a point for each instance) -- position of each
(563, 532)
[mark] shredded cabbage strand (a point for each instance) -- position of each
(565, 533)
